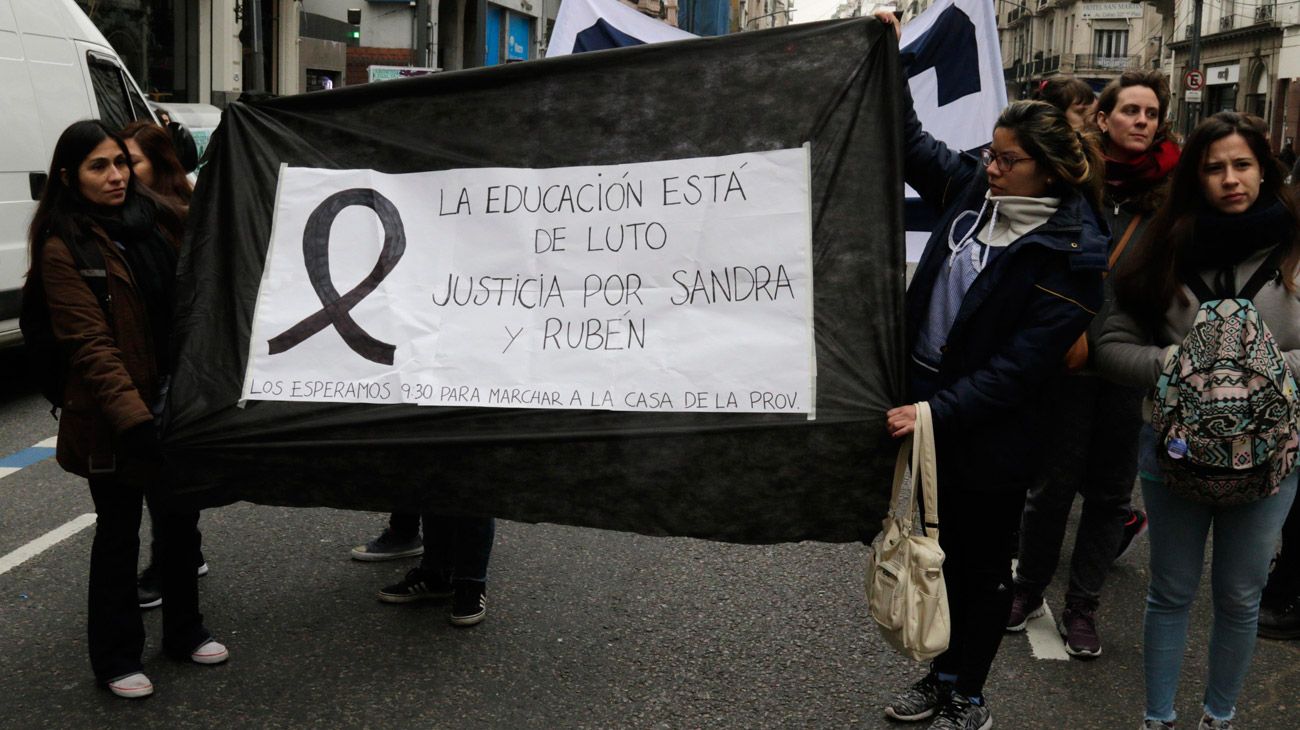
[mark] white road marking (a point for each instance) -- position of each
(49, 443)
(45, 542)
(1044, 640)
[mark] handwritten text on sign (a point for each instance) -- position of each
(683, 285)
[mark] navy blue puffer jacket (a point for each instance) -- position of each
(1016, 322)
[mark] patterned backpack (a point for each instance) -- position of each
(1225, 409)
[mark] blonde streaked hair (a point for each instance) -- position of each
(1074, 160)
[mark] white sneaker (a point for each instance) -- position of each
(211, 652)
(132, 686)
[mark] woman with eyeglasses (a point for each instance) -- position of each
(1096, 421)
(1008, 281)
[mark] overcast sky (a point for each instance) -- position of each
(806, 11)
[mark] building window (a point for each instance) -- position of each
(1110, 43)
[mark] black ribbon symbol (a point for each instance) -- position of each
(316, 256)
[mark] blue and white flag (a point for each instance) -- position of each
(954, 68)
(594, 25)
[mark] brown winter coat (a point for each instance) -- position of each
(113, 374)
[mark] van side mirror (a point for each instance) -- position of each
(186, 150)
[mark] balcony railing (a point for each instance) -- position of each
(1264, 13)
(1104, 63)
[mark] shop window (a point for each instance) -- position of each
(1222, 98)
(509, 36)
(321, 80)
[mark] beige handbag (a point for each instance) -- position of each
(905, 589)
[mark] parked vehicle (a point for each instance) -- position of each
(55, 68)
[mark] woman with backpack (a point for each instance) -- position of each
(1096, 422)
(1008, 281)
(1228, 233)
(103, 254)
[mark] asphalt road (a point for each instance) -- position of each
(585, 629)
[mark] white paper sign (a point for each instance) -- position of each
(683, 285)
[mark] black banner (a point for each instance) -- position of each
(734, 477)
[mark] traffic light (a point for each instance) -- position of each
(354, 20)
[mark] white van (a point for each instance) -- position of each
(55, 68)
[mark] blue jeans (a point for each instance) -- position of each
(1244, 538)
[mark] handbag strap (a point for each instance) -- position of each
(1123, 242)
(902, 511)
(925, 470)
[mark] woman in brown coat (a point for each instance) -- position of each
(94, 221)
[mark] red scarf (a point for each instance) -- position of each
(1124, 178)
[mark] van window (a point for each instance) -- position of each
(119, 104)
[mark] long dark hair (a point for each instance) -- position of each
(65, 213)
(1043, 131)
(1148, 282)
(156, 144)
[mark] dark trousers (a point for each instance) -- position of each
(458, 547)
(404, 525)
(115, 629)
(154, 518)
(1093, 444)
(1284, 582)
(975, 531)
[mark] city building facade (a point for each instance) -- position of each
(1094, 41)
(1250, 58)
(203, 50)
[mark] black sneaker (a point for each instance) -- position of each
(921, 700)
(1078, 626)
(962, 714)
(1280, 620)
(1134, 527)
(389, 547)
(418, 585)
(468, 602)
(148, 588)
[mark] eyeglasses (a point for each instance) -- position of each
(1005, 161)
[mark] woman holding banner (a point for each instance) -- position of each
(103, 254)
(1008, 281)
